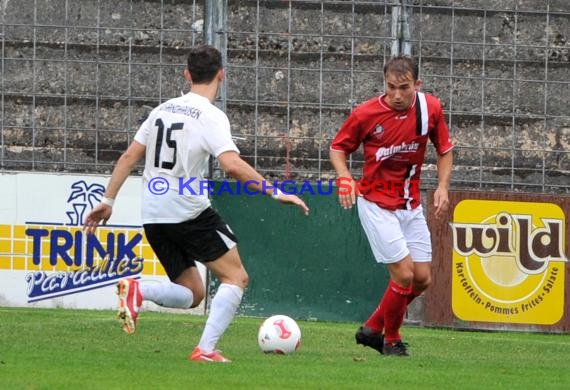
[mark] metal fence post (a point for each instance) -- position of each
(401, 17)
(214, 34)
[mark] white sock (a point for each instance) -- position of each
(222, 311)
(167, 294)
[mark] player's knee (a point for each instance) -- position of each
(404, 279)
(238, 278)
(421, 281)
(422, 285)
(407, 281)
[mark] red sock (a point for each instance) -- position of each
(413, 295)
(376, 320)
(396, 298)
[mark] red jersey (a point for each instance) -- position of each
(394, 147)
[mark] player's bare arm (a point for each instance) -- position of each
(124, 167)
(346, 198)
(237, 168)
(441, 194)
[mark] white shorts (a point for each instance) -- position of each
(395, 234)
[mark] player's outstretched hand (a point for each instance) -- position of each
(101, 212)
(293, 199)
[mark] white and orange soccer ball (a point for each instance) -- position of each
(279, 334)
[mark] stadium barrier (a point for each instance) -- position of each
(501, 263)
(318, 267)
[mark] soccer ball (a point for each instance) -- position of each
(279, 334)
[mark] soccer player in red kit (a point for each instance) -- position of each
(394, 129)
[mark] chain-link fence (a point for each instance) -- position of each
(76, 76)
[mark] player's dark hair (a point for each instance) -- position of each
(204, 62)
(402, 66)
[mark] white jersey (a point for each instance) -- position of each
(180, 135)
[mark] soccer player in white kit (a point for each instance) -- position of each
(177, 140)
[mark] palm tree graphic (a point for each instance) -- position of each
(82, 195)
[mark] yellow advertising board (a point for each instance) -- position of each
(508, 262)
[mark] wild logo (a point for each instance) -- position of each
(508, 262)
(64, 260)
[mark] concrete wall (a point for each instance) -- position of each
(77, 76)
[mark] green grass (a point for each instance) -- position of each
(79, 349)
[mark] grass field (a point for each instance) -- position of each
(79, 349)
